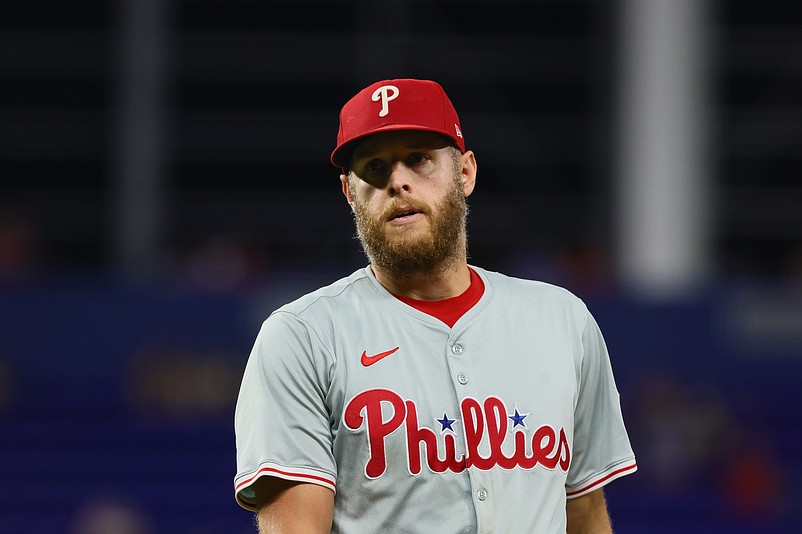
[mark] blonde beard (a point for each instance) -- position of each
(442, 246)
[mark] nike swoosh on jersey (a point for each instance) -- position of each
(370, 360)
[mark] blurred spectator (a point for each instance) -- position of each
(110, 516)
(680, 432)
(222, 265)
(19, 250)
(182, 383)
(585, 271)
(588, 271)
(752, 482)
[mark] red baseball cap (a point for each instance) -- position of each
(390, 105)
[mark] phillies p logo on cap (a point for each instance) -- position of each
(392, 105)
(385, 93)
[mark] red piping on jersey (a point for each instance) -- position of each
(615, 473)
(285, 473)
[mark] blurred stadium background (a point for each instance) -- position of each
(165, 184)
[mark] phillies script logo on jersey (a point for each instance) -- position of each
(547, 447)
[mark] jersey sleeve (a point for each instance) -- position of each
(282, 422)
(602, 451)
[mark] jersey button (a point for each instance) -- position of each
(462, 378)
(456, 350)
(481, 494)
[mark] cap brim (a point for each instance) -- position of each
(342, 154)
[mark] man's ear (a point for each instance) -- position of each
(468, 170)
(346, 189)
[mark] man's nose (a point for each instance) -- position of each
(399, 179)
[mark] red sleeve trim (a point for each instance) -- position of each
(602, 479)
(299, 475)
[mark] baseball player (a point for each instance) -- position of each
(421, 393)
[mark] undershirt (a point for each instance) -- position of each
(450, 310)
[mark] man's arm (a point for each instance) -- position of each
(588, 514)
(294, 507)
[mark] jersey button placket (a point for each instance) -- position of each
(460, 366)
(457, 350)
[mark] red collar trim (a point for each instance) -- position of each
(450, 310)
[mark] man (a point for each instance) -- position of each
(421, 394)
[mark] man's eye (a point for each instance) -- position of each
(417, 157)
(374, 165)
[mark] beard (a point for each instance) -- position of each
(440, 247)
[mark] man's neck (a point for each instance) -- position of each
(444, 283)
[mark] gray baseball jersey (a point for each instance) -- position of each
(488, 426)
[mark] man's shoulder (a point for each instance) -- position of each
(334, 295)
(527, 289)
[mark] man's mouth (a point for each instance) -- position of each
(403, 213)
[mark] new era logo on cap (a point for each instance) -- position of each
(390, 105)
